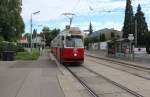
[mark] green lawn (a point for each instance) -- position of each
(27, 55)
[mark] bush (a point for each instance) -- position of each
(1, 39)
(35, 54)
(7, 46)
(12, 47)
(20, 48)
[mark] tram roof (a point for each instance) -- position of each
(72, 30)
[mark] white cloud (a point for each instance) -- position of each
(52, 10)
(98, 26)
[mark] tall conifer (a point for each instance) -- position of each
(90, 28)
(141, 26)
(128, 27)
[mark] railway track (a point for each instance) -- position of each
(132, 69)
(94, 91)
(83, 83)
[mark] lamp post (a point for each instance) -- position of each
(131, 50)
(34, 13)
(135, 32)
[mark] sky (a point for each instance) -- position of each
(101, 13)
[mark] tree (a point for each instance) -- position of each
(1, 39)
(103, 37)
(50, 34)
(11, 22)
(28, 36)
(147, 42)
(86, 42)
(34, 33)
(90, 29)
(128, 27)
(46, 34)
(141, 26)
(112, 35)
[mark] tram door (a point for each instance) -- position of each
(61, 49)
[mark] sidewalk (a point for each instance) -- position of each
(30, 78)
(140, 59)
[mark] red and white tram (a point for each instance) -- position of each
(68, 46)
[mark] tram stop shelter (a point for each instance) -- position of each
(122, 48)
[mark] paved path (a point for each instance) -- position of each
(29, 79)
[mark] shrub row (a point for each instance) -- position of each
(9, 46)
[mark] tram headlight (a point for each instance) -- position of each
(75, 54)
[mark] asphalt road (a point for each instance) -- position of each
(29, 79)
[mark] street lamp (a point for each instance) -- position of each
(135, 32)
(34, 13)
(131, 50)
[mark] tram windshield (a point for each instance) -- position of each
(74, 42)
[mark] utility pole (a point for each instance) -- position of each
(135, 32)
(31, 33)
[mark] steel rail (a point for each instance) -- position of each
(115, 83)
(122, 69)
(83, 83)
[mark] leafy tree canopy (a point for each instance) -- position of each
(50, 34)
(11, 22)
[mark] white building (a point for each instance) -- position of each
(38, 41)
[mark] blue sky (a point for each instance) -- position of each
(95, 11)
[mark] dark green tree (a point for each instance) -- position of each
(49, 34)
(103, 37)
(147, 38)
(11, 22)
(34, 33)
(128, 27)
(100, 37)
(141, 27)
(1, 39)
(46, 33)
(90, 28)
(86, 42)
(95, 39)
(55, 32)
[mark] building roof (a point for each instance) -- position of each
(107, 31)
(23, 40)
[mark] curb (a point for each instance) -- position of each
(69, 85)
